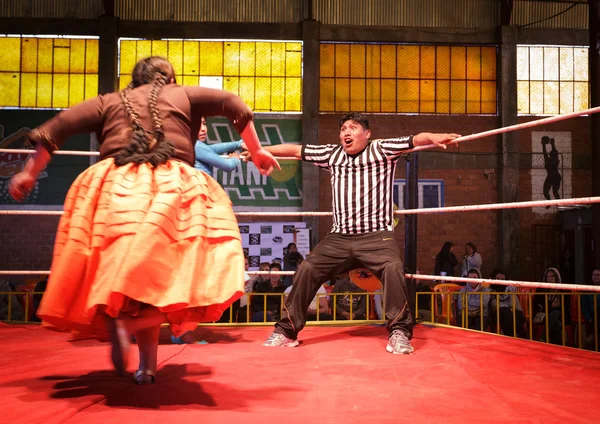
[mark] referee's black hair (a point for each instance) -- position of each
(356, 117)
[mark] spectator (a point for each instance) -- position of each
(476, 303)
(349, 306)
(270, 287)
(553, 315)
(291, 260)
(471, 260)
(445, 261)
(506, 307)
(587, 310)
(320, 299)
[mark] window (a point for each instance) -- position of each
(267, 75)
(552, 79)
(431, 193)
(399, 78)
(47, 72)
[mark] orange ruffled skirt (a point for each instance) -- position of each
(135, 235)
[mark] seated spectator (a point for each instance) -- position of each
(553, 315)
(587, 310)
(323, 303)
(349, 306)
(17, 313)
(475, 303)
(273, 306)
(506, 307)
(291, 260)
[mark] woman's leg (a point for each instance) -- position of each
(147, 341)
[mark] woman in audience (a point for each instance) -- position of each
(509, 303)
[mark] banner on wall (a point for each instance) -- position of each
(268, 241)
(248, 190)
(54, 182)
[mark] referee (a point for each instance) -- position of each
(362, 178)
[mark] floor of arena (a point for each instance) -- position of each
(338, 374)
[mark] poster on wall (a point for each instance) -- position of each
(268, 241)
(551, 167)
(250, 191)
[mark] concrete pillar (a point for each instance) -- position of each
(108, 30)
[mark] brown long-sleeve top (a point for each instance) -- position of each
(181, 109)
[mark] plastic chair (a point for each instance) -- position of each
(445, 313)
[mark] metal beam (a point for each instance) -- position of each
(594, 78)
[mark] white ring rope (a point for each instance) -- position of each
(525, 284)
(475, 136)
(491, 206)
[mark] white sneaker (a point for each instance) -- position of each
(399, 344)
(279, 340)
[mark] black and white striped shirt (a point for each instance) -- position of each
(361, 184)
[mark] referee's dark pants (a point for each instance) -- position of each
(337, 254)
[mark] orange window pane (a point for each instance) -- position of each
(211, 58)
(342, 94)
(77, 59)
(278, 57)
(246, 90)
(263, 63)
(91, 86)
(44, 94)
(473, 96)
(293, 60)
(458, 63)
(76, 88)
(581, 95)
(191, 58)
(247, 59)
(124, 80)
(175, 56)
(231, 84)
(442, 96)
(60, 91)
(263, 94)
(373, 95)
(408, 96)
(294, 94)
(327, 95)
(278, 93)
(45, 54)
(427, 62)
(231, 58)
(357, 94)
(29, 54)
(388, 95)
(474, 63)
(407, 59)
(373, 61)
(388, 61)
(62, 53)
(11, 54)
(143, 48)
(489, 96)
(358, 57)
(160, 48)
(127, 57)
(342, 60)
(523, 97)
(9, 89)
(566, 97)
(427, 99)
(551, 97)
(442, 62)
(488, 63)
(536, 97)
(458, 97)
(28, 90)
(91, 56)
(327, 60)
(191, 80)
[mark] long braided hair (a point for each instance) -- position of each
(147, 146)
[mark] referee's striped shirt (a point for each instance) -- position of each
(361, 184)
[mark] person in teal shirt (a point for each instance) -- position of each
(208, 156)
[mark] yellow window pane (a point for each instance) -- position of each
(536, 60)
(247, 90)
(442, 62)
(474, 63)
(293, 60)
(175, 56)
(45, 54)
(11, 54)
(428, 62)
(373, 95)
(191, 58)
(262, 102)
(357, 94)
(342, 60)
(566, 64)
(327, 95)
(91, 56)
(473, 96)
(327, 60)
(488, 63)
(566, 97)
(523, 97)
(127, 56)
(231, 84)
(62, 53)
(523, 63)
(60, 91)
(536, 97)
(293, 98)
(388, 61)
(191, 80)
(263, 64)
(124, 81)
(76, 88)
(489, 97)
(231, 59)
(358, 56)
(388, 94)
(247, 59)
(551, 97)
(9, 89)
(408, 96)
(442, 96)
(342, 93)
(581, 97)
(458, 97)
(91, 86)
(458, 66)
(580, 57)
(143, 49)
(160, 48)
(278, 56)
(373, 61)
(407, 57)
(427, 100)
(28, 90)
(44, 94)
(211, 58)
(77, 59)
(551, 63)
(29, 55)
(278, 93)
